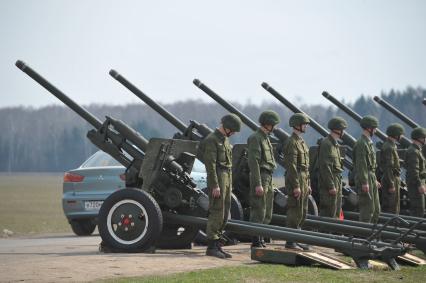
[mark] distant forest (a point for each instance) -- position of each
(53, 138)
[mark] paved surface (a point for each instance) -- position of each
(65, 258)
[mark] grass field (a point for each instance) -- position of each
(31, 203)
(281, 273)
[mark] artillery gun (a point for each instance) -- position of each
(132, 219)
(159, 167)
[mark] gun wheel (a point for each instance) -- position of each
(130, 220)
(176, 236)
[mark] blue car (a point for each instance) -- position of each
(85, 189)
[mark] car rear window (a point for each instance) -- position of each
(100, 159)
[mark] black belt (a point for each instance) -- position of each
(223, 168)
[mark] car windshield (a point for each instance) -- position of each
(100, 159)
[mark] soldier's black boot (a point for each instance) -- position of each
(255, 243)
(292, 245)
(213, 250)
(304, 247)
(219, 246)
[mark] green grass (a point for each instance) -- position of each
(31, 203)
(281, 273)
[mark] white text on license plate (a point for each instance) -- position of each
(92, 205)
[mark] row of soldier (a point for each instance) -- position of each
(217, 155)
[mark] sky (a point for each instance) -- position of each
(300, 48)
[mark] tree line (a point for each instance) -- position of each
(53, 138)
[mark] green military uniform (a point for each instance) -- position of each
(391, 170)
(364, 159)
(330, 176)
(416, 174)
(217, 156)
(262, 164)
(216, 153)
(389, 164)
(296, 161)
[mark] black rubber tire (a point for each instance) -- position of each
(133, 199)
(83, 227)
(236, 208)
(176, 237)
(312, 206)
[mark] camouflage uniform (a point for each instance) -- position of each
(296, 161)
(262, 164)
(389, 164)
(216, 153)
(217, 156)
(416, 174)
(391, 170)
(330, 176)
(364, 159)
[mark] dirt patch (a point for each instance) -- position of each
(64, 258)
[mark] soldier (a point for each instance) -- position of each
(389, 164)
(216, 153)
(416, 172)
(296, 161)
(364, 158)
(330, 170)
(262, 164)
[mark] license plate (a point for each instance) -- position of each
(92, 205)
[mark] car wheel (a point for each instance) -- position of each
(83, 227)
(130, 220)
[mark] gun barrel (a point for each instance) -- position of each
(404, 141)
(280, 134)
(130, 134)
(86, 115)
(246, 120)
(347, 139)
(158, 108)
(397, 113)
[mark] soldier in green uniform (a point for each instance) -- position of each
(330, 167)
(416, 172)
(216, 153)
(296, 163)
(261, 163)
(389, 164)
(364, 159)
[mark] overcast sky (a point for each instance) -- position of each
(299, 47)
